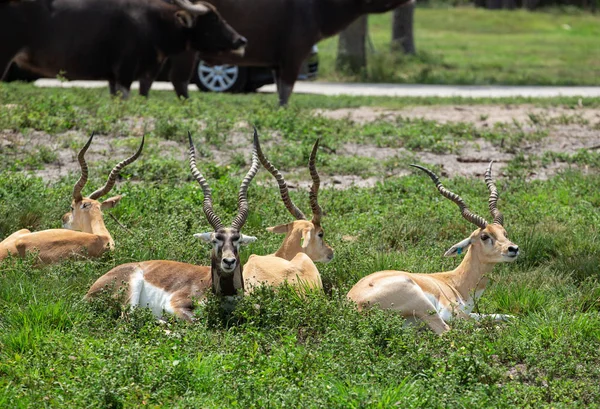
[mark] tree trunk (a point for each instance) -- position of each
(402, 28)
(530, 4)
(509, 4)
(352, 57)
(494, 4)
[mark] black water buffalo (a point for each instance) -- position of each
(281, 33)
(117, 40)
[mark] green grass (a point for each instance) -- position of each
(57, 351)
(318, 351)
(476, 46)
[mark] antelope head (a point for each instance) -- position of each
(302, 235)
(86, 212)
(489, 243)
(226, 241)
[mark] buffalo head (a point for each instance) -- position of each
(206, 30)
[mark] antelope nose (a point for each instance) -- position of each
(229, 261)
(513, 249)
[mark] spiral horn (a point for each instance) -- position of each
(84, 171)
(464, 210)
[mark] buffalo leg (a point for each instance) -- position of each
(182, 69)
(112, 87)
(145, 85)
(116, 87)
(285, 78)
(123, 85)
(148, 78)
(123, 89)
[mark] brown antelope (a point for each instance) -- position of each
(437, 298)
(303, 243)
(170, 286)
(83, 232)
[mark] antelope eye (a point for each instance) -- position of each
(484, 237)
(72, 208)
(321, 234)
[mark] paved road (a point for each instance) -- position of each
(392, 90)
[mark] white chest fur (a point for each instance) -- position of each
(448, 310)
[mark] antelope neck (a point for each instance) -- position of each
(98, 227)
(291, 245)
(466, 277)
(226, 285)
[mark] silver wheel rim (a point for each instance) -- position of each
(218, 78)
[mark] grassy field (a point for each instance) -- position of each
(58, 351)
(477, 46)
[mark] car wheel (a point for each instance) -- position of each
(220, 78)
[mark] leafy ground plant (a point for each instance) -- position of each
(276, 349)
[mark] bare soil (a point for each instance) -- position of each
(479, 115)
(569, 130)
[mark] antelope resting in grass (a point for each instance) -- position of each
(83, 232)
(437, 298)
(303, 243)
(170, 286)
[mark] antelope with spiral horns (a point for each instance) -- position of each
(170, 286)
(303, 243)
(83, 232)
(438, 298)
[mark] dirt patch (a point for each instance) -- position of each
(53, 157)
(479, 115)
(568, 131)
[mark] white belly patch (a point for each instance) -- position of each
(144, 294)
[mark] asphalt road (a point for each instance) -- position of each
(391, 90)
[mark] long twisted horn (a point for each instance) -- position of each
(198, 8)
(464, 210)
(283, 189)
(493, 200)
(314, 189)
(242, 215)
(112, 177)
(84, 171)
(207, 206)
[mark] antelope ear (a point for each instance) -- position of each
(282, 228)
(111, 202)
(205, 237)
(458, 248)
(306, 235)
(247, 239)
(184, 18)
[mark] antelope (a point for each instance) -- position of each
(83, 232)
(439, 297)
(170, 286)
(303, 244)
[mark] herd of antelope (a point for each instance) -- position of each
(173, 287)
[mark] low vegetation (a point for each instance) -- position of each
(279, 349)
(472, 46)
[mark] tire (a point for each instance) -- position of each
(220, 78)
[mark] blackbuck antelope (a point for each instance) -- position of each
(83, 232)
(303, 243)
(437, 298)
(170, 286)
